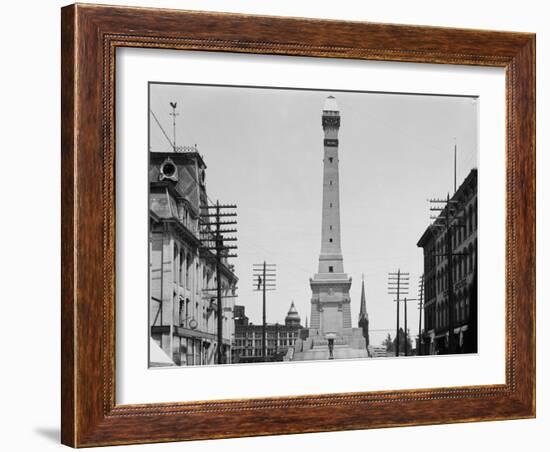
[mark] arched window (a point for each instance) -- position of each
(181, 269)
(459, 306)
(175, 263)
(470, 258)
(454, 238)
(456, 308)
(474, 254)
(189, 262)
(455, 268)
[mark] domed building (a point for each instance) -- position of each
(292, 318)
(247, 342)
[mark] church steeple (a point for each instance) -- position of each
(363, 315)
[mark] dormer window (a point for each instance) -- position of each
(168, 170)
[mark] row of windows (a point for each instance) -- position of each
(281, 335)
(464, 226)
(182, 264)
(251, 352)
(186, 314)
(194, 352)
(190, 310)
(463, 265)
(269, 343)
(437, 315)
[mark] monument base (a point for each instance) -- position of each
(350, 344)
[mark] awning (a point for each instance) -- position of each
(157, 356)
(196, 334)
(461, 329)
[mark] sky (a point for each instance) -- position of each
(263, 148)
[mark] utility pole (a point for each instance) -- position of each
(213, 224)
(406, 300)
(447, 221)
(264, 278)
(420, 311)
(398, 284)
(276, 338)
(406, 329)
(455, 167)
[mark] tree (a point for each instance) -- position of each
(402, 339)
(388, 343)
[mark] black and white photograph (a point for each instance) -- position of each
(290, 225)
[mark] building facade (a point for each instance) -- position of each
(183, 309)
(439, 322)
(247, 343)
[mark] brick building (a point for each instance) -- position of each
(462, 208)
(247, 343)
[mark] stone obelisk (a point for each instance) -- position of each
(330, 300)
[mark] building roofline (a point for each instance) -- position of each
(171, 187)
(179, 156)
(428, 231)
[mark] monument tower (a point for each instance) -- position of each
(330, 300)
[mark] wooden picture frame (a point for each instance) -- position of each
(90, 36)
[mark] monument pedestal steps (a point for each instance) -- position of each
(320, 351)
(345, 347)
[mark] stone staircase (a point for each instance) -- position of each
(319, 351)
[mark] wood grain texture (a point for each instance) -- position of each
(90, 36)
(68, 244)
